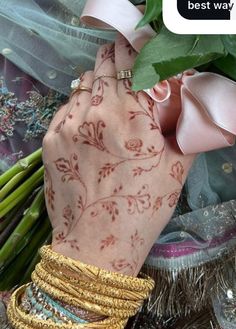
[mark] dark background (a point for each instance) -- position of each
(203, 14)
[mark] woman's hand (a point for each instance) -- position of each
(112, 180)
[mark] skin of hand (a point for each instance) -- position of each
(112, 180)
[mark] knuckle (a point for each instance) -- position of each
(48, 139)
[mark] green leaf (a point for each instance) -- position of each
(227, 65)
(149, 77)
(170, 54)
(229, 41)
(152, 12)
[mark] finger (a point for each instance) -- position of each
(77, 98)
(83, 96)
(105, 61)
(124, 54)
(105, 74)
(124, 59)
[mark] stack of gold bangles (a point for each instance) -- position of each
(114, 296)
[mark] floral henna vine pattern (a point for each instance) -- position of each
(139, 203)
(149, 112)
(130, 49)
(68, 219)
(139, 170)
(68, 216)
(73, 244)
(112, 208)
(177, 171)
(92, 134)
(70, 168)
(107, 54)
(108, 241)
(62, 123)
(122, 264)
(134, 145)
(136, 204)
(49, 191)
(98, 98)
(173, 198)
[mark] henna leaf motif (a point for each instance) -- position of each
(136, 240)
(49, 191)
(109, 241)
(96, 100)
(109, 53)
(157, 204)
(173, 199)
(92, 134)
(177, 171)
(111, 207)
(73, 244)
(121, 264)
(138, 203)
(106, 170)
(70, 168)
(68, 215)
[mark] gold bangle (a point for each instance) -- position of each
(18, 318)
(94, 286)
(104, 293)
(85, 294)
(71, 300)
(95, 273)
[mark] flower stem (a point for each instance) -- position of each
(29, 252)
(21, 192)
(15, 217)
(14, 181)
(25, 225)
(21, 165)
(35, 260)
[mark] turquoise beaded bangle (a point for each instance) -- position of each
(39, 300)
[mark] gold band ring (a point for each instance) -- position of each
(84, 88)
(124, 74)
(80, 89)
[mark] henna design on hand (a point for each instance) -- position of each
(149, 112)
(49, 191)
(68, 217)
(137, 203)
(107, 54)
(70, 168)
(122, 264)
(177, 171)
(173, 198)
(108, 241)
(92, 134)
(130, 49)
(62, 123)
(98, 98)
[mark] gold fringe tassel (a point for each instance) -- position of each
(182, 291)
